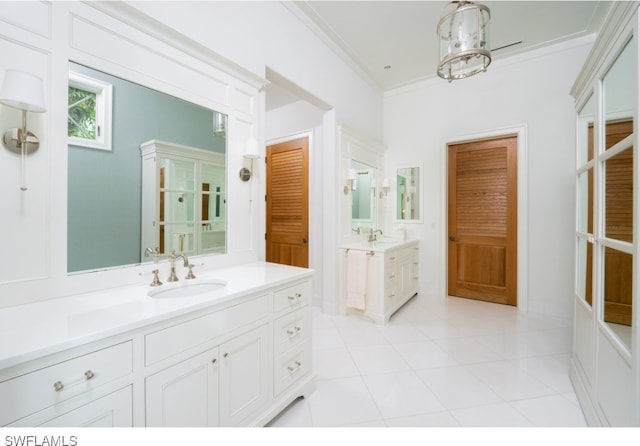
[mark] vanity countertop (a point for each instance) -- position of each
(382, 245)
(33, 330)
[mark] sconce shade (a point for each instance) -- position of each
(252, 150)
(463, 36)
(23, 91)
(352, 175)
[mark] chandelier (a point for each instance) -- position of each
(463, 36)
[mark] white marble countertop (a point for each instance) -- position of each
(32, 330)
(381, 245)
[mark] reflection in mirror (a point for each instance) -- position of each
(408, 193)
(618, 172)
(618, 103)
(363, 202)
(105, 186)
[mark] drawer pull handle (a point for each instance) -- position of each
(392, 258)
(294, 331)
(58, 386)
(226, 355)
(295, 297)
(89, 375)
(392, 295)
(294, 368)
(392, 276)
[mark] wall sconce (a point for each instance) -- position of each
(385, 188)
(22, 91)
(251, 151)
(352, 176)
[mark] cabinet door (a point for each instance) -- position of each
(184, 395)
(244, 379)
(113, 410)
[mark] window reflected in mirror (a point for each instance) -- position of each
(363, 197)
(408, 193)
(104, 202)
(584, 270)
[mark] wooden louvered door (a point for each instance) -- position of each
(482, 220)
(287, 238)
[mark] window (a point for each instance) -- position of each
(89, 112)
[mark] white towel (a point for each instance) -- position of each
(356, 278)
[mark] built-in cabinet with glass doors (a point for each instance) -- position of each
(605, 364)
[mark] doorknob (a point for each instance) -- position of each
(453, 239)
(304, 240)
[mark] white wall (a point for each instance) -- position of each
(530, 90)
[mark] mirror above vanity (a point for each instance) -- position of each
(105, 180)
(364, 206)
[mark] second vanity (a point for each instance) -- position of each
(392, 276)
(232, 356)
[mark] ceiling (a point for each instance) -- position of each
(394, 43)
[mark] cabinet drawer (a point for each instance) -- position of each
(42, 388)
(292, 297)
(290, 367)
(170, 341)
(291, 330)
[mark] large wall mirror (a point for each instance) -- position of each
(105, 168)
(364, 209)
(408, 191)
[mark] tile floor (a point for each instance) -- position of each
(440, 362)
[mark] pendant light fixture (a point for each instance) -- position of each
(463, 37)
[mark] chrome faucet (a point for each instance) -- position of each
(172, 261)
(372, 234)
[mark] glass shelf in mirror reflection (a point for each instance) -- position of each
(104, 187)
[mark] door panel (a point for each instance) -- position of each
(287, 203)
(482, 216)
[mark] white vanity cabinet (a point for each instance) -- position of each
(392, 278)
(235, 361)
(65, 391)
(184, 395)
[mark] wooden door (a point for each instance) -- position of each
(287, 236)
(482, 220)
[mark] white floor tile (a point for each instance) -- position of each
(438, 419)
(439, 362)
(323, 338)
(341, 402)
(424, 355)
(467, 350)
(457, 388)
(334, 363)
(372, 359)
(551, 411)
(496, 415)
(508, 381)
(362, 335)
(401, 394)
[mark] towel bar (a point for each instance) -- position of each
(370, 253)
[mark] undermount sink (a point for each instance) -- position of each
(186, 289)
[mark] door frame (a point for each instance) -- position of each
(523, 221)
(311, 226)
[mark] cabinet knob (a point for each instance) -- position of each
(226, 355)
(58, 386)
(214, 360)
(89, 375)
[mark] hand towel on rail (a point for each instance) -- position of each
(356, 278)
